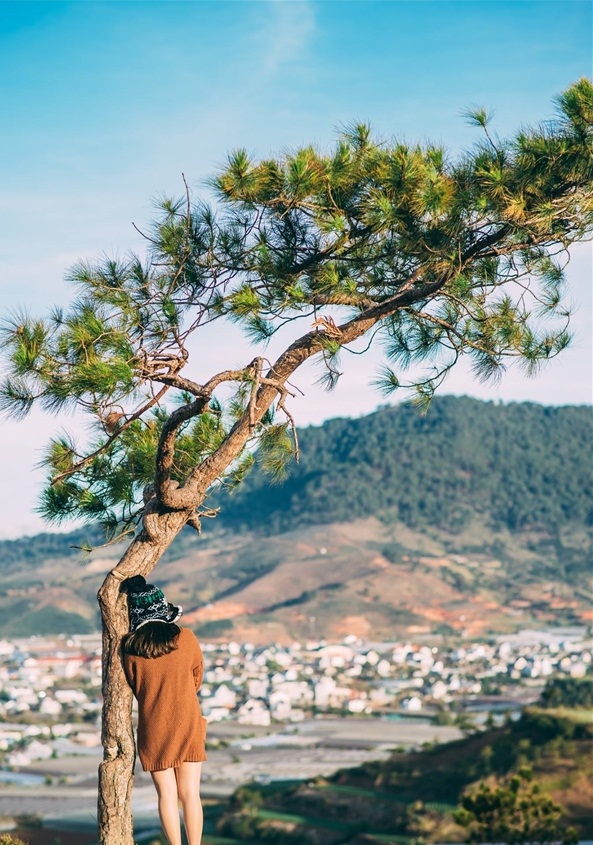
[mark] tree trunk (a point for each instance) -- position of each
(116, 772)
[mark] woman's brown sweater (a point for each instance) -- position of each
(171, 728)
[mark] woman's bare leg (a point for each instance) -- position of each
(166, 788)
(188, 789)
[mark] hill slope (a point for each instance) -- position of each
(520, 466)
(473, 519)
(412, 795)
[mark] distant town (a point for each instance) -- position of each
(50, 698)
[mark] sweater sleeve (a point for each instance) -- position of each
(198, 665)
(130, 671)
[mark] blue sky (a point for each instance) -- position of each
(105, 104)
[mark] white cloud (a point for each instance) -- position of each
(286, 34)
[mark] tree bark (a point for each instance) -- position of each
(116, 771)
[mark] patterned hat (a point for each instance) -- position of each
(147, 603)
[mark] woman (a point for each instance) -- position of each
(164, 667)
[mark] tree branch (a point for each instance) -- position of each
(257, 370)
(129, 420)
(169, 493)
(298, 352)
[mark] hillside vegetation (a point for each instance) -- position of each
(474, 518)
(521, 466)
(411, 797)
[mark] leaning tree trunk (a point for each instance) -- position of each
(116, 771)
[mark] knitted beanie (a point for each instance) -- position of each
(147, 603)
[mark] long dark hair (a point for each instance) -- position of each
(154, 639)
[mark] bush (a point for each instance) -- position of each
(513, 811)
(28, 821)
(568, 692)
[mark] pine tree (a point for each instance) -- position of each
(438, 257)
(514, 812)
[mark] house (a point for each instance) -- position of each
(438, 690)
(50, 706)
(22, 695)
(380, 696)
(322, 690)
(39, 750)
(578, 670)
(18, 758)
(257, 687)
(337, 656)
(280, 705)
(7, 649)
(216, 714)
(223, 696)
(70, 696)
(90, 739)
(254, 712)
(61, 730)
(9, 737)
(383, 668)
(372, 658)
(297, 691)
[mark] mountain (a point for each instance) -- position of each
(475, 518)
(520, 466)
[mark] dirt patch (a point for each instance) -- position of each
(359, 626)
(220, 610)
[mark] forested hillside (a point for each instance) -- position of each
(476, 518)
(520, 465)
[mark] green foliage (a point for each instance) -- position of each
(109, 486)
(215, 628)
(18, 619)
(464, 460)
(513, 811)
(466, 723)
(568, 692)
(436, 257)
(544, 724)
(275, 447)
(28, 821)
